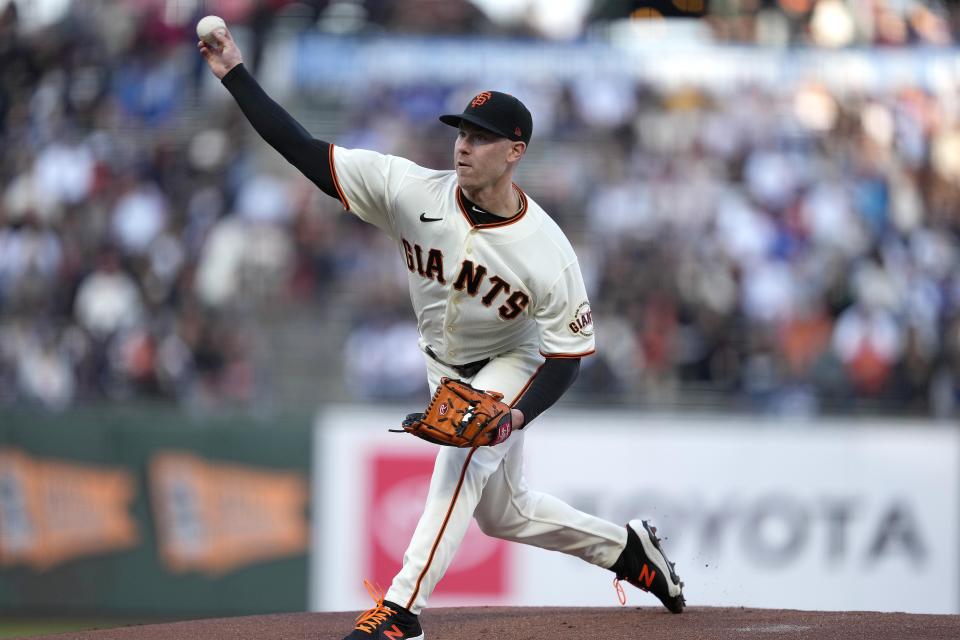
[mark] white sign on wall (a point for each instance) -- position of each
(832, 516)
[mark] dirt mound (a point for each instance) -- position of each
(513, 623)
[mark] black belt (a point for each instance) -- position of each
(464, 370)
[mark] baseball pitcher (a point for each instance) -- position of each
(504, 320)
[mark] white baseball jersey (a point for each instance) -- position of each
(478, 290)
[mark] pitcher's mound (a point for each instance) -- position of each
(608, 623)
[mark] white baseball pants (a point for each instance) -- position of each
(488, 484)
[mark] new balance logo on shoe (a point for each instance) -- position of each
(393, 633)
(385, 621)
(644, 565)
(647, 575)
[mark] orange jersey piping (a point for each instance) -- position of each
(493, 225)
(443, 527)
(569, 355)
(336, 181)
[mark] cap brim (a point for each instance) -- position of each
(454, 120)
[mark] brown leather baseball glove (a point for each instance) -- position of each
(461, 416)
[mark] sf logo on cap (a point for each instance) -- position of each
(480, 99)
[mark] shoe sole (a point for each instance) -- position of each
(674, 601)
(419, 637)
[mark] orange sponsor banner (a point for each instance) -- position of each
(215, 517)
(53, 511)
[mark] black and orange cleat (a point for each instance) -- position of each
(386, 621)
(644, 565)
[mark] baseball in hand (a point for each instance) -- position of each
(206, 27)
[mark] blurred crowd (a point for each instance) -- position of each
(825, 23)
(789, 249)
(794, 247)
(835, 23)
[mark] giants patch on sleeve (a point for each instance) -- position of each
(582, 323)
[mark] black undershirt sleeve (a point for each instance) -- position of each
(552, 381)
(280, 130)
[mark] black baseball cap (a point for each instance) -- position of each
(497, 112)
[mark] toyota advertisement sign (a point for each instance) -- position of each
(832, 516)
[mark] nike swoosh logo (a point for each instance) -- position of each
(424, 218)
(478, 209)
